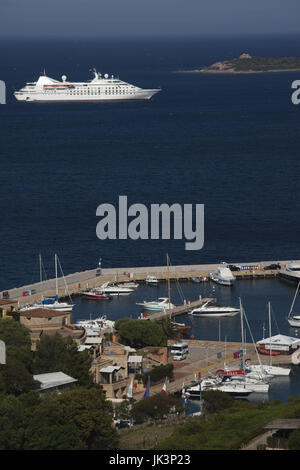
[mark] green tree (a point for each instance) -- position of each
(15, 415)
(156, 407)
(75, 419)
(214, 401)
(15, 378)
(294, 440)
(51, 428)
(140, 333)
(17, 340)
(55, 353)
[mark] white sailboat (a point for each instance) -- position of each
(51, 302)
(294, 320)
(269, 368)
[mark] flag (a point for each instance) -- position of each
(164, 389)
(130, 390)
(147, 391)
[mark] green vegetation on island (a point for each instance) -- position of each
(245, 63)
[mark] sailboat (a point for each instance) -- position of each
(294, 320)
(51, 302)
(269, 368)
(243, 381)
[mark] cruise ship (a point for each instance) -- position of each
(100, 88)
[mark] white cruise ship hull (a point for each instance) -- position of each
(61, 97)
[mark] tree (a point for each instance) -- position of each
(294, 440)
(15, 378)
(214, 401)
(15, 414)
(55, 353)
(156, 407)
(17, 340)
(75, 419)
(140, 333)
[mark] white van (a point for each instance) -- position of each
(179, 351)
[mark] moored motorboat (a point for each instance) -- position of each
(113, 289)
(223, 276)
(96, 324)
(207, 310)
(152, 281)
(96, 294)
(161, 304)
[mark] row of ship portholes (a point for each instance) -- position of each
(96, 92)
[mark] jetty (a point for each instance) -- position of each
(74, 284)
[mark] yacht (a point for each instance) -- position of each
(113, 289)
(130, 284)
(223, 276)
(269, 370)
(207, 310)
(49, 303)
(159, 305)
(232, 388)
(152, 280)
(291, 272)
(97, 324)
(100, 88)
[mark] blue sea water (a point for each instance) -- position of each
(228, 142)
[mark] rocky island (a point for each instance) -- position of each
(245, 63)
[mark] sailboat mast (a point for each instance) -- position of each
(242, 332)
(270, 343)
(41, 276)
(169, 290)
(56, 280)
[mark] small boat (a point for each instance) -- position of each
(151, 280)
(96, 294)
(130, 284)
(181, 328)
(223, 276)
(196, 280)
(207, 310)
(159, 305)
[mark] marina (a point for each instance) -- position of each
(74, 284)
(213, 335)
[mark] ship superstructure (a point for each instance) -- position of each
(100, 88)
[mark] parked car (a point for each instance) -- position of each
(124, 424)
(273, 266)
(232, 267)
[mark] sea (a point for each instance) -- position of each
(229, 142)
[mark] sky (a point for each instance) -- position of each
(60, 18)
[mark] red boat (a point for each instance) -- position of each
(96, 295)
